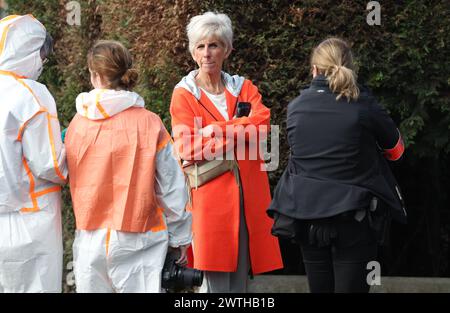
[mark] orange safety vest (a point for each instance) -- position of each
(112, 168)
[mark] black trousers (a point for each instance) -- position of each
(339, 266)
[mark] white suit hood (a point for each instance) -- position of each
(232, 83)
(100, 104)
(21, 40)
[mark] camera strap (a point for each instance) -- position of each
(207, 110)
(234, 111)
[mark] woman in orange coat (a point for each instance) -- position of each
(231, 231)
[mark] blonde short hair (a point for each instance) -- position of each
(209, 25)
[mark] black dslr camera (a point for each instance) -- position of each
(176, 278)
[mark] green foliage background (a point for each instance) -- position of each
(405, 61)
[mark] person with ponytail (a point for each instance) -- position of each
(128, 189)
(337, 196)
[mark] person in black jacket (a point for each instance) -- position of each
(337, 194)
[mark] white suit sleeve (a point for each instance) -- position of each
(43, 149)
(172, 193)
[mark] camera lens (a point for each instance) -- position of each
(192, 277)
(198, 278)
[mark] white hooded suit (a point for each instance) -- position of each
(32, 164)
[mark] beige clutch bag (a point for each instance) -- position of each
(201, 172)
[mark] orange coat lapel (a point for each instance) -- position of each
(210, 108)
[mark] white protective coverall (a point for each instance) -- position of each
(32, 164)
(113, 252)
